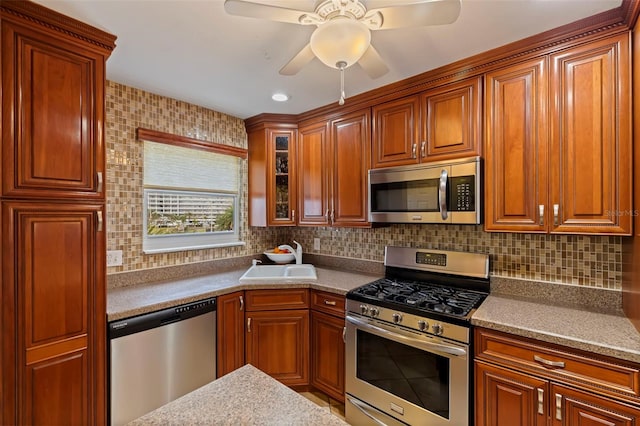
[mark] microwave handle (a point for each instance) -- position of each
(442, 194)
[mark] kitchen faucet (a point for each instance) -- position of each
(297, 253)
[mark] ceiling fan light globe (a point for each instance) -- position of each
(340, 40)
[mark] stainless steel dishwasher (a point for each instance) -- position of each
(158, 357)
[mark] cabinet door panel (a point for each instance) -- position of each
(516, 148)
(327, 354)
(350, 141)
(68, 406)
(451, 121)
(504, 397)
(396, 132)
(230, 332)
(313, 175)
(59, 304)
(571, 407)
(278, 344)
(591, 138)
(54, 134)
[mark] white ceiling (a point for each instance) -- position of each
(194, 51)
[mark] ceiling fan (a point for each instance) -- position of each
(343, 34)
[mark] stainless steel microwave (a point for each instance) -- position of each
(438, 192)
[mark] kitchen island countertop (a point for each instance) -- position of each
(246, 396)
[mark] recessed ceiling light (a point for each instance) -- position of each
(280, 97)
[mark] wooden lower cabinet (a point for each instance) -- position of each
(327, 354)
(53, 295)
(278, 344)
(509, 398)
(230, 332)
(277, 334)
(521, 382)
(573, 407)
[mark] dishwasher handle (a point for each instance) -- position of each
(127, 326)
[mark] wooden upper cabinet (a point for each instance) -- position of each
(334, 160)
(52, 116)
(590, 156)
(396, 132)
(516, 143)
(438, 124)
(313, 179)
(451, 121)
(558, 149)
(272, 175)
(350, 163)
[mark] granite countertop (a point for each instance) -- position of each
(551, 318)
(128, 301)
(244, 396)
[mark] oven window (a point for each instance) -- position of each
(411, 196)
(414, 375)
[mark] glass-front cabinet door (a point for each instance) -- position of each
(282, 179)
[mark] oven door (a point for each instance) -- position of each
(410, 376)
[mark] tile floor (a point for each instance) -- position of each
(335, 407)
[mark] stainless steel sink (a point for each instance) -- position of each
(279, 273)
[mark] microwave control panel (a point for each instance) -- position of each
(462, 195)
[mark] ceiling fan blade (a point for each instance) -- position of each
(429, 12)
(272, 13)
(301, 59)
(372, 63)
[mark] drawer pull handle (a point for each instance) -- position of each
(558, 406)
(249, 325)
(540, 401)
(100, 221)
(330, 302)
(559, 364)
(414, 150)
(241, 303)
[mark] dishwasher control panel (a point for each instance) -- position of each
(124, 327)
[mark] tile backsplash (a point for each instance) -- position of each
(594, 261)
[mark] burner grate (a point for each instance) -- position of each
(422, 296)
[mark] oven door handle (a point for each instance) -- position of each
(428, 346)
(365, 410)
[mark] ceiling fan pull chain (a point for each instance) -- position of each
(341, 65)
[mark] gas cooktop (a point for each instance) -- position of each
(421, 296)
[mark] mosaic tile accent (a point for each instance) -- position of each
(127, 109)
(594, 261)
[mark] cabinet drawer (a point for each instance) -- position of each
(268, 300)
(558, 363)
(330, 303)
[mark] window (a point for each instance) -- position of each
(191, 197)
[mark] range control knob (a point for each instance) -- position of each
(364, 309)
(423, 325)
(374, 312)
(397, 318)
(437, 329)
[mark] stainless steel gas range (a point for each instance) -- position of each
(408, 339)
